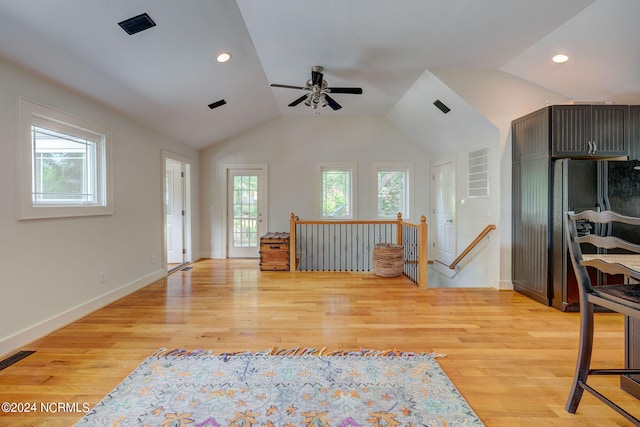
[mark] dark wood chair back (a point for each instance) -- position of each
(592, 223)
(596, 230)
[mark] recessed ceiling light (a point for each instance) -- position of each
(223, 57)
(560, 58)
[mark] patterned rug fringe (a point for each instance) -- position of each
(288, 352)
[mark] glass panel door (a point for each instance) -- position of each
(246, 223)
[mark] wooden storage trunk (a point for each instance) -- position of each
(274, 252)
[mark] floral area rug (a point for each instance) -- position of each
(301, 387)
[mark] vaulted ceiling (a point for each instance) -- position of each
(165, 77)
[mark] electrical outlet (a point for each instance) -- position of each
(152, 259)
(102, 277)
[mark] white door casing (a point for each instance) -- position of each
(175, 211)
(179, 169)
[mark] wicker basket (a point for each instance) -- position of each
(388, 260)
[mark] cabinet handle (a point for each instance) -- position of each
(590, 148)
(595, 147)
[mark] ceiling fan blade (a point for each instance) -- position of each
(290, 87)
(353, 90)
(332, 102)
(316, 78)
(298, 101)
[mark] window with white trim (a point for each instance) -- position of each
(337, 189)
(392, 192)
(64, 164)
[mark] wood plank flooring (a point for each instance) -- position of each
(510, 357)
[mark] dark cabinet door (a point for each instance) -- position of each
(634, 132)
(530, 239)
(531, 206)
(531, 135)
(608, 131)
(570, 130)
(589, 131)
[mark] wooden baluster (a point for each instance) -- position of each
(423, 258)
(292, 243)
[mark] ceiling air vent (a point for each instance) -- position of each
(137, 24)
(217, 104)
(441, 106)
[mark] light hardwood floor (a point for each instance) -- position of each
(510, 357)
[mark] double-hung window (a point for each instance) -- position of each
(337, 189)
(392, 194)
(63, 164)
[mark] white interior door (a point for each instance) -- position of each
(175, 212)
(444, 212)
(246, 211)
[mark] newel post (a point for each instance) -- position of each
(423, 256)
(292, 242)
(399, 233)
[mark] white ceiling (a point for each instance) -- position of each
(166, 76)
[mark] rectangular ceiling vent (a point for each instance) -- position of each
(217, 104)
(137, 23)
(441, 106)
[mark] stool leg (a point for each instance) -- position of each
(584, 357)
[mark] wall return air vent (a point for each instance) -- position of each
(478, 173)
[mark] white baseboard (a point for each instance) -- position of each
(14, 342)
(505, 285)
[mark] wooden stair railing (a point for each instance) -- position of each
(484, 233)
(419, 257)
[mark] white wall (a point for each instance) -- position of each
(292, 148)
(50, 268)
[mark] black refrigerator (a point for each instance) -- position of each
(580, 185)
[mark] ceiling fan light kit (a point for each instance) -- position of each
(319, 91)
